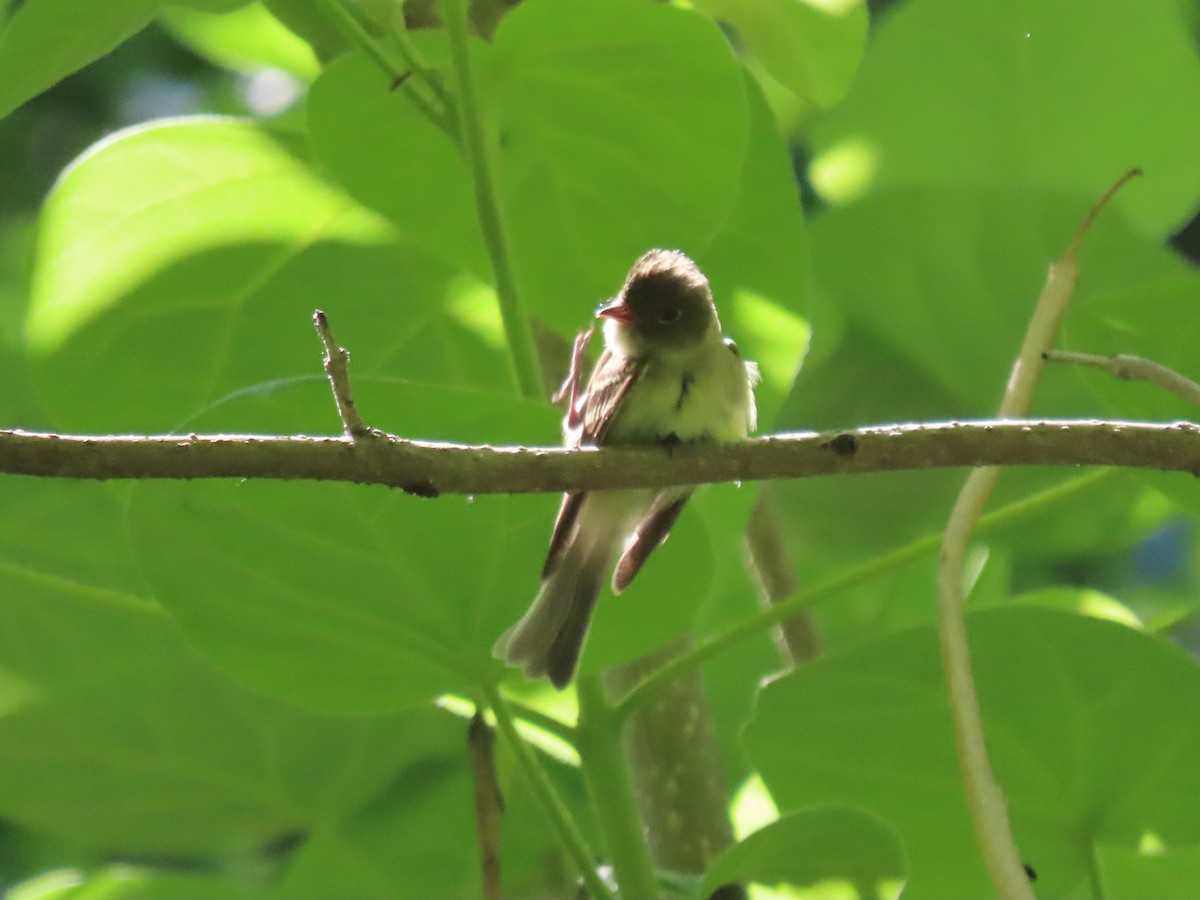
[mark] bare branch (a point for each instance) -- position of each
(489, 803)
(428, 469)
(1133, 368)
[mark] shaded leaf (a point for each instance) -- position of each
(619, 126)
(1087, 752)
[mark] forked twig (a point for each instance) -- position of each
(337, 370)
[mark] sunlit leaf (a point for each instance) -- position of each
(813, 47)
(1062, 95)
(819, 848)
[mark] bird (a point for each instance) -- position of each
(667, 375)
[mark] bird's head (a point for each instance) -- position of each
(665, 305)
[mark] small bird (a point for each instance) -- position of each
(667, 375)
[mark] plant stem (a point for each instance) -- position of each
(606, 770)
(860, 574)
(552, 804)
(522, 350)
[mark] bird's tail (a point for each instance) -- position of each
(548, 639)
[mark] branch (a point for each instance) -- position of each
(489, 803)
(428, 468)
(985, 799)
(1133, 368)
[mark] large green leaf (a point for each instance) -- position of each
(950, 278)
(812, 47)
(758, 262)
(1057, 94)
(356, 598)
(47, 40)
(614, 127)
(245, 39)
(1093, 729)
(395, 160)
(181, 262)
(123, 739)
(427, 813)
(619, 126)
(345, 597)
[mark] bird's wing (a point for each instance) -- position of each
(607, 389)
(587, 426)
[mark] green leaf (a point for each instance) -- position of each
(197, 251)
(125, 740)
(812, 47)
(1156, 320)
(1093, 730)
(950, 278)
(758, 262)
(47, 40)
(1062, 95)
(416, 839)
(311, 23)
(246, 39)
(128, 883)
(1151, 870)
(595, 154)
(393, 159)
(825, 845)
(619, 126)
(344, 597)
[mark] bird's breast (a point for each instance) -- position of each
(702, 396)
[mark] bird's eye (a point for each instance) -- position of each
(667, 316)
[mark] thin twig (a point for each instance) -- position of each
(337, 370)
(985, 800)
(1133, 368)
(427, 469)
(489, 803)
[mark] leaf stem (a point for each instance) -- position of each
(552, 804)
(839, 584)
(606, 770)
(522, 350)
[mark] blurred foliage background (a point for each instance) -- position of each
(227, 690)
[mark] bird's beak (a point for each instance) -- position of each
(616, 310)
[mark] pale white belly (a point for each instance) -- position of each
(704, 395)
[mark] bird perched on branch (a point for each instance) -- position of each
(667, 375)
